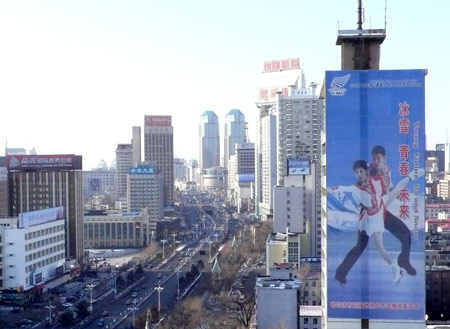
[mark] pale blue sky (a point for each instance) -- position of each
(76, 75)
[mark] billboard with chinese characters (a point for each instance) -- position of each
(298, 166)
(142, 170)
(276, 77)
(36, 162)
(38, 217)
(158, 120)
(375, 160)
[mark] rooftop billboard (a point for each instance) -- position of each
(36, 162)
(375, 156)
(142, 170)
(38, 217)
(158, 120)
(298, 167)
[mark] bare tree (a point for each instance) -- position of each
(186, 315)
(241, 310)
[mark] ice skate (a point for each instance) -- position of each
(397, 273)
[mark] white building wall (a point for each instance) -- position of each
(27, 252)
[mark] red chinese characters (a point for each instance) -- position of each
(403, 126)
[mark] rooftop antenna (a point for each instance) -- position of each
(385, 14)
(360, 15)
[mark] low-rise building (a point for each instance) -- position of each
(32, 252)
(438, 292)
(117, 230)
(310, 317)
(282, 248)
(277, 303)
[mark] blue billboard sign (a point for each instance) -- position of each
(142, 170)
(297, 167)
(245, 178)
(375, 126)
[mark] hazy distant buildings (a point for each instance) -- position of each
(209, 140)
(158, 146)
(234, 133)
(99, 181)
(124, 161)
(46, 181)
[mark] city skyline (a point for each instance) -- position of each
(82, 74)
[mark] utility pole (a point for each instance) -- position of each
(50, 307)
(159, 289)
(91, 287)
(163, 241)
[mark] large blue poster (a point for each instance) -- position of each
(375, 194)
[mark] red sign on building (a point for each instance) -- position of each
(158, 120)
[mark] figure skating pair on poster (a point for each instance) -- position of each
(374, 192)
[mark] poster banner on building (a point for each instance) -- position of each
(37, 217)
(297, 167)
(375, 202)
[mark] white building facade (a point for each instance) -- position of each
(32, 255)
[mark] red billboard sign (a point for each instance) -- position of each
(282, 65)
(158, 120)
(55, 161)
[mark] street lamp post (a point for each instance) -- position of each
(134, 309)
(163, 241)
(159, 289)
(178, 284)
(91, 287)
(50, 307)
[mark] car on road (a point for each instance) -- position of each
(128, 302)
(159, 276)
(134, 294)
(105, 313)
(67, 304)
(101, 323)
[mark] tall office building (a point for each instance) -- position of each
(299, 122)
(274, 81)
(136, 145)
(46, 181)
(209, 140)
(124, 161)
(158, 145)
(3, 188)
(265, 161)
(234, 133)
(144, 191)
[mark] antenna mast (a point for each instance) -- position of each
(360, 15)
(385, 15)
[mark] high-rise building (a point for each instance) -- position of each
(299, 122)
(158, 145)
(144, 186)
(265, 161)
(275, 80)
(180, 170)
(242, 174)
(124, 161)
(136, 145)
(209, 140)
(46, 181)
(3, 188)
(234, 132)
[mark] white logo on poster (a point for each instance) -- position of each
(337, 85)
